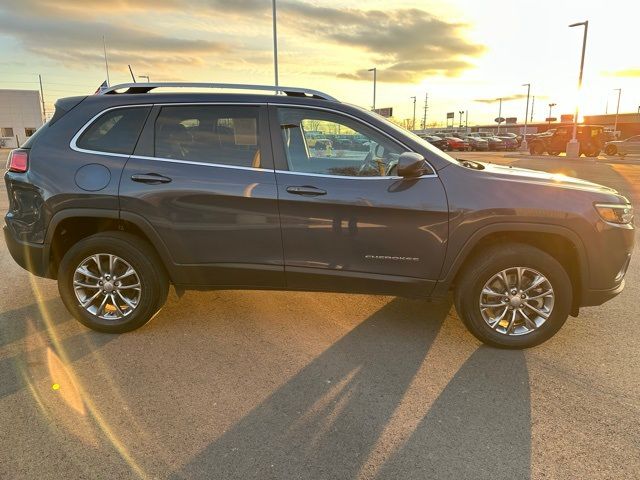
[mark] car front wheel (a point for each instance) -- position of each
(514, 296)
(112, 282)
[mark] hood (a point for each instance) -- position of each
(544, 178)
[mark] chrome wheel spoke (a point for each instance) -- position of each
(90, 300)
(126, 300)
(531, 325)
(76, 283)
(119, 311)
(541, 295)
(514, 313)
(499, 319)
(84, 271)
(493, 293)
(539, 312)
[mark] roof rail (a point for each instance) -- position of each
(147, 87)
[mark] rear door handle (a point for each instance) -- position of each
(150, 178)
(306, 191)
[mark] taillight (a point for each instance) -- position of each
(18, 161)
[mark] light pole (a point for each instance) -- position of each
(413, 125)
(573, 147)
(375, 71)
(499, 114)
(275, 43)
(466, 121)
(551, 105)
(523, 145)
(615, 125)
(144, 76)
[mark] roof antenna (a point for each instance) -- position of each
(131, 72)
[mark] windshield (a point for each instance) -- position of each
(413, 136)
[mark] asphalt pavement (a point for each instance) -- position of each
(279, 385)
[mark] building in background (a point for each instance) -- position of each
(20, 116)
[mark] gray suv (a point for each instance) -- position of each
(123, 193)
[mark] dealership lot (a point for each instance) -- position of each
(256, 384)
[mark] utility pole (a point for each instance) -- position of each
(275, 43)
(533, 102)
(375, 79)
(106, 63)
(573, 147)
(44, 111)
(424, 115)
(523, 145)
(615, 125)
(413, 125)
(145, 76)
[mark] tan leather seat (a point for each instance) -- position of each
(256, 160)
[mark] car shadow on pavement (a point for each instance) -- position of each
(14, 324)
(326, 420)
(480, 426)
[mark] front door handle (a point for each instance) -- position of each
(306, 191)
(150, 178)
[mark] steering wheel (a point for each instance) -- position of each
(368, 164)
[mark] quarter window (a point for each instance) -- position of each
(209, 134)
(116, 131)
(322, 142)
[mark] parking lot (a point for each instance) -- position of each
(257, 384)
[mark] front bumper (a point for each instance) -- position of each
(592, 298)
(33, 257)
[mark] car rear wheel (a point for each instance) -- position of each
(514, 296)
(112, 282)
(536, 149)
(611, 150)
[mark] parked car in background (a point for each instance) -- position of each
(455, 143)
(628, 146)
(590, 137)
(318, 140)
(477, 143)
(437, 142)
(495, 144)
(510, 143)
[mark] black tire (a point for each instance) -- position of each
(492, 261)
(139, 254)
(611, 150)
(536, 149)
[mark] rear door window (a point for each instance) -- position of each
(116, 131)
(214, 134)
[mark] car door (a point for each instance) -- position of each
(633, 145)
(349, 223)
(202, 177)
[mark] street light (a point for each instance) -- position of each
(523, 145)
(573, 147)
(551, 105)
(144, 76)
(375, 71)
(275, 43)
(499, 114)
(615, 126)
(460, 123)
(413, 125)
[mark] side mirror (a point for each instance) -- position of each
(411, 164)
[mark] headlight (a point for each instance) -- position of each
(615, 213)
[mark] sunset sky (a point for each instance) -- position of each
(464, 53)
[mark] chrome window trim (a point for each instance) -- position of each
(74, 140)
(73, 144)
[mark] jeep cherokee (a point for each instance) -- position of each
(123, 193)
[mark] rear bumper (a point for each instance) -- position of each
(30, 256)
